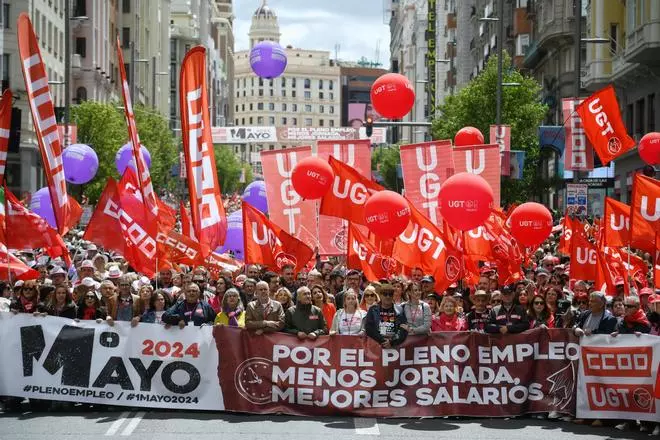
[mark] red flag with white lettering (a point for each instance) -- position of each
(9, 264)
(67, 211)
(143, 176)
(268, 244)
(349, 193)
(179, 249)
(356, 154)
(363, 255)
(644, 209)
(425, 246)
(217, 263)
(5, 127)
(286, 208)
(206, 207)
(603, 125)
(617, 228)
(584, 261)
(482, 160)
(425, 167)
(579, 153)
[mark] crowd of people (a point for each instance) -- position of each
(331, 300)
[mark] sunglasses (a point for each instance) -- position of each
(539, 303)
(369, 295)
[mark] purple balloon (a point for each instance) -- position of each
(40, 204)
(234, 240)
(80, 163)
(124, 157)
(268, 59)
(255, 195)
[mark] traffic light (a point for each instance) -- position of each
(369, 124)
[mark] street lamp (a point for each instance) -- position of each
(500, 45)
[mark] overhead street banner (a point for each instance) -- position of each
(256, 135)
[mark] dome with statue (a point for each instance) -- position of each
(264, 11)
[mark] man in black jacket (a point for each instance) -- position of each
(384, 320)
(507, 317)
(305, 319)
(597, 320)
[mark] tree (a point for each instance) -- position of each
(102, 126)
(385, 162)
(475, 105)
(230, 169)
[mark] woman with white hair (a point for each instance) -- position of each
(232, 313)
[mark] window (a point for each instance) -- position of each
(271, 120)
(332, 96)
(308, 122)
(332, 122)
(271, 106)
(261, 82)
(293, 83)
(331, 85)
(126, 6)
(272, 92)
(631, 14)
(522, 44)
(332, 109)
(283, 82)
(260, 106)
(260, 120)
(81, 46)
(321, 109)
(237, 107)
(80, 8)
(261, 92)
(640, 119)
(629, 118)
(251, 106)
(320, 95)
(125, 37)
(5, 71)
(614, 37)
(294, 121)
(308, 108)
(81, 95)
(236, 121)
(251, 120)
(283, 121)
(308, 95)
(308, 83)
(293, 93)
(320, 84)
(5, 15)
(284, 106)
(320, 122)
(244, 82)
(650, 100)
(252, 81)
(270, 83)
(294, 107)
(284, 93)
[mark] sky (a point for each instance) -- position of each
(356, 25)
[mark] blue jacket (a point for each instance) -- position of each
(372, 325)
(606, 325)
(202, 314)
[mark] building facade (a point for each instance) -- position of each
(307, 94)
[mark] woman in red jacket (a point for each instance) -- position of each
(449, 320)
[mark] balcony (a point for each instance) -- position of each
(186, 32)
(598, 70)
(535, 53)
(556, 32)
(642, 44)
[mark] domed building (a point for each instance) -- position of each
(307, 95)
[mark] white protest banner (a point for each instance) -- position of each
(144, 366)
(617, 377)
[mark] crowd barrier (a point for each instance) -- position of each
(229, 369)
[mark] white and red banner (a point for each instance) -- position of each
(356, 154)
(501, 135)
(143, 175)
(206, 207)
(286, 208)
(67, 211)
(482, 160)
(425, 167)
(579, 153)
(618, 376)
(5, 126)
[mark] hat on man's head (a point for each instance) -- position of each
(114, 272)
(89, 282)
(646, 291)
(428, 279)
(87, 264)
(353, 272)
(57, 270)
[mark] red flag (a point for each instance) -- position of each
(579, 155)
(502, 137)
(143, 176)
(482, 160)
(349, 193)
(478, 243)
(285, 206)
(10, 264)
(27, 230)
(5, 127)
(67, 211)
(179, 249)
(268, 244)
(571, 227)
(217, 263)
(616, 230)
(206, 207)
(104, 228)
(603, 125)
(645, 208)
(186, 223)
(584, 258)
(604, 277)
(364, 256)
(425, 246)
(356, 154)
(425, 167)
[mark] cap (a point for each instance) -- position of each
(655, 298)
(618, 281)
(89, 282)
(646, 291)
(480, 293)
(353, 272)
(435, 296)
(18, 283)
(486, 270)
(114, 272)
(428, 279)
(57, 270)
(87, 264)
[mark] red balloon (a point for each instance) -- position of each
(468, 136)
(392, 96)
(387, 214)
(649, 148)
(312, 177)
(531, 224)
(465, 201)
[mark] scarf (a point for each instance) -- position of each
(450, 324)
(89, 314)
(639, 317)
(233, 315)
(29, 306)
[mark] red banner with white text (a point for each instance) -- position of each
(286, 208)
(356, 154)
(364, 256)
(579, 153)
(206, 208)
(453, 373)
(425, 167)
(482, 160)
(5, 127)
(67, 210)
